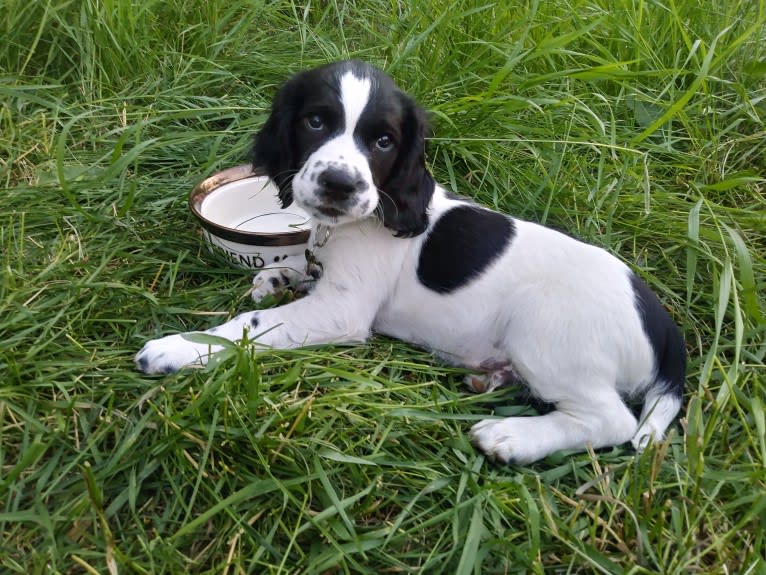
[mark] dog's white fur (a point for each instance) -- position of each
(560, 314)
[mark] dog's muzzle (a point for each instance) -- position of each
(335, 191)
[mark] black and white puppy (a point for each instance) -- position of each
(403, 257)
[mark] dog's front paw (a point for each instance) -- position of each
(270, 281)
(509, 440)
(171, 353)
(293, 272)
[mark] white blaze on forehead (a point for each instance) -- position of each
(354, 94)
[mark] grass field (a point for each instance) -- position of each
(636, 125)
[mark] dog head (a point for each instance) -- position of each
(344, 142)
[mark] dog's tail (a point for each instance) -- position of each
(664, 397)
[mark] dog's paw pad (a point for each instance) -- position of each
(269, 282)
(476, 382)
(487, 382)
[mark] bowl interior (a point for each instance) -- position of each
(251, 205)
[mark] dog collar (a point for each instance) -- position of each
(321, 236)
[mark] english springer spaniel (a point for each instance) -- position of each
(401, 256)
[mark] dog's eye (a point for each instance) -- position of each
(385, 142)
(314, 122)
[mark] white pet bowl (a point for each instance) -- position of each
(242, 219)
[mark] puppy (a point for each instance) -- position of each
(403, 257)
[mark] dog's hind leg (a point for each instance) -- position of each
(602, 421)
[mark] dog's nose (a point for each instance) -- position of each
(339, 184)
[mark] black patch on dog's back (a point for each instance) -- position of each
(664, 336)
(461, 245)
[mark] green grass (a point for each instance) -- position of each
(636, 125)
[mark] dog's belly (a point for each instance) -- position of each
(462, 336)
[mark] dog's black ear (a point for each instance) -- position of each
(274, 147)
(407, 192)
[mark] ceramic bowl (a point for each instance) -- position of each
(242, 219)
